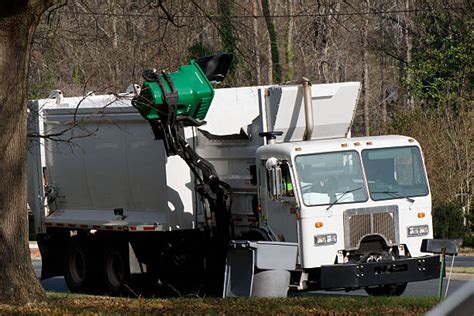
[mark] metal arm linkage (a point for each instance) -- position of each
(169, 129)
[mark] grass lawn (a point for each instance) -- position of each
(61, 304)
(469, 270)
(466, 251)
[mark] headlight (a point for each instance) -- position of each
(418, 230)
(321, 240)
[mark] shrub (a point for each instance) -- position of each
(468, 241)
(448, 221)
(447, 140)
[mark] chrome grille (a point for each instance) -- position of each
(362, 222)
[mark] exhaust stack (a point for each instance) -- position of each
(308, 109)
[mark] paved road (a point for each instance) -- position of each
(424, 288)
(460, 261)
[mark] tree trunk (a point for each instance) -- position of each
(18, 20)
(116, 71)
(365, 73)
(289, 54)
(409, 46)
(258, 78)
(275, 55)
(382, 85)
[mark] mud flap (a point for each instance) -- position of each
(53, 249)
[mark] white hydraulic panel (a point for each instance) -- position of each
(232, 109)
(333, 105)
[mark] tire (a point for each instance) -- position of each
(386, 290)
(116, 271)
(78, 267)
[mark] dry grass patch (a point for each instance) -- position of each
(63, 304)
(468, 270)
(466, 251)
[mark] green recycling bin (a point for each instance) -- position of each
(193, 88)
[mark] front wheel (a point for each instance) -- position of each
(386, 290)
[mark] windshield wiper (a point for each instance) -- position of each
(395, 194)
(342, 195)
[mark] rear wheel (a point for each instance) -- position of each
(78, 266)
(386, 290)
(116, 271)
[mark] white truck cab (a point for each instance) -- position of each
(344, 190)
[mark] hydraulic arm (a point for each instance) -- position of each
(173, 101)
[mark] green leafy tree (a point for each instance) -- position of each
(448, 221)
(442, 66)
(199, 50)
(229, 39)
(441, 79)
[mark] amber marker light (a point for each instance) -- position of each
(369, 143)
(356, 144)
(318, 224)
(298, 149)
(421, 215)
(344, 145)
(411, 140)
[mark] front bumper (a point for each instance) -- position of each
(351, 276)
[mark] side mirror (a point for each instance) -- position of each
(274, 178)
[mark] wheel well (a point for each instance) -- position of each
(53, 246)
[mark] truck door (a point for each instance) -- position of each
(278, 201)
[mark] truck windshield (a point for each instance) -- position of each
(394, 173)
(331, 178)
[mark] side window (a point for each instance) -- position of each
(287, 185)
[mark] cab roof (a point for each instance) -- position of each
(291, 149)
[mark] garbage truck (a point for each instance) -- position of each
(135, 191)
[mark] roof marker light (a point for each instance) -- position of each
(369, 143)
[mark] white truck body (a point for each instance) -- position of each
(112, 161)
(101, 170)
